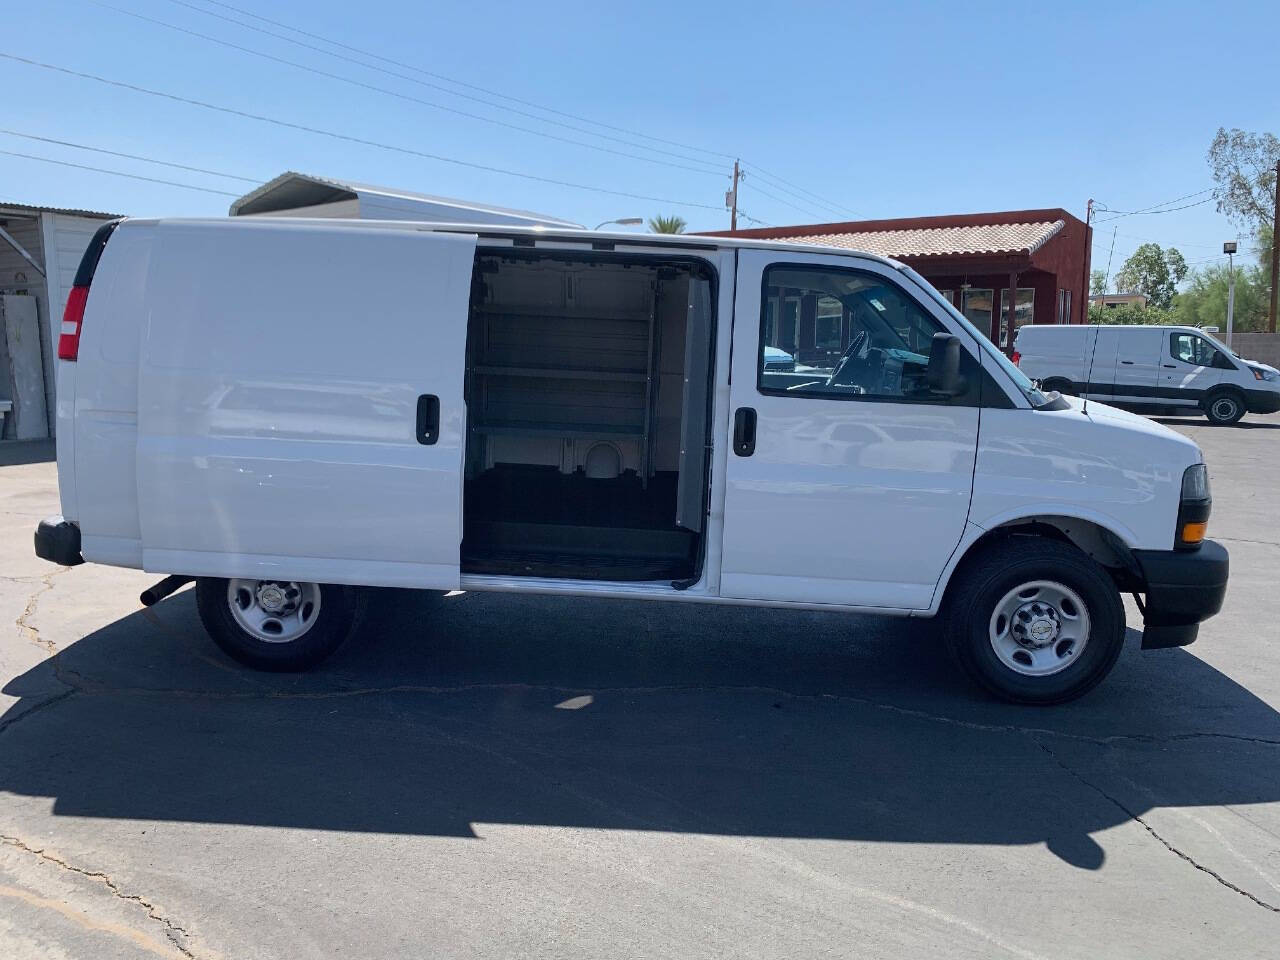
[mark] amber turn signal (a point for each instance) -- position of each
(1193, 532)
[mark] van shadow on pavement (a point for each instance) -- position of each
(472, 709)
(1245, 424)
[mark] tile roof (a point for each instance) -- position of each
(949, 241)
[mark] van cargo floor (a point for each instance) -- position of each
(526, 563)
(577, 552)
(536, 521)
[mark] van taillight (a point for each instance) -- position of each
(1016, 357)
(72, 319)
(73, 316)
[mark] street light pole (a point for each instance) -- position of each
(1229, 249)
(624, 222)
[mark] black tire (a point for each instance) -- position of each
(987, 578)
(1224, 407)
(339, 612)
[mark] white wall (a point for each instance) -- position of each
(25, 228)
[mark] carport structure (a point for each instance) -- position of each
(40, 249)
(974, 259)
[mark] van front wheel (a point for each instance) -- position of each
(1224, 407)
(278, 625)
(1035, 621)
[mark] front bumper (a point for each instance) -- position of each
(1183, 588)
(58, 540)
(1262, 401)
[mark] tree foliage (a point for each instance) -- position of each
(1097, 282)
(1244, 172)
(1154, 271)
(1204, 302)
(1129, 314)
(672, 224)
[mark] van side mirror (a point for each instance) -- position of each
(1220, 360)
(943, 374)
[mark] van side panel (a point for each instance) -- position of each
(281, 371)
(1055, 352)
(105, 387)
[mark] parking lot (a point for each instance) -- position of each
(503, 776)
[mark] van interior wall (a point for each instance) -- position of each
(574, 406)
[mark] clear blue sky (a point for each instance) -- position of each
(884, 109)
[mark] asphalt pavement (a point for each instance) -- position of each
(488, 775)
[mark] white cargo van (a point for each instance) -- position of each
(1165, 368)
(286, 411)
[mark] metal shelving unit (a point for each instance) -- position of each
(515, 333)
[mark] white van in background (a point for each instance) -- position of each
(287, 411)
(1166, 368)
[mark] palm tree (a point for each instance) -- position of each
(672, 224)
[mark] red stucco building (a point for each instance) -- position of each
(974, 259)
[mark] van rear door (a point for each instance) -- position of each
(300, 405)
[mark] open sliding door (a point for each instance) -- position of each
(300, 409)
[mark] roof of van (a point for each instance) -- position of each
(590, 239)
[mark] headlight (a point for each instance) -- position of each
(1195, 482)
(1270, 375)
(1193, 510)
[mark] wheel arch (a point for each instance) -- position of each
(1109, 547)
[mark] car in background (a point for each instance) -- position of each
(780, 360)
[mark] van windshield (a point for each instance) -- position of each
(1219, 344)
(1029, 390)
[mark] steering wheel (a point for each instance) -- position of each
(851, 351)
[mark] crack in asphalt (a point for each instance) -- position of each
(175, 933)
(42, 705)
(28, 632)
(1265, 543)
(1223, 881)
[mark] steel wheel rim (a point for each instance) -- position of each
(274, 611)
(1039, 628)
(1224, 408)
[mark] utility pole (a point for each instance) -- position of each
(1275, 252)
(731, 197)
(1229, 248)
(1088, 261)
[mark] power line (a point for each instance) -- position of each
(401, 76)
(129, 156)
(1153, 209)
(347, 138)
(116, 173)
(760, 190)
(403, 96)
(773, 176)
(780, 183)
(438, 76)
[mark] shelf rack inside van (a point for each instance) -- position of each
(603, 354)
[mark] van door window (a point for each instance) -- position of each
(871, 340)
(1192, 349)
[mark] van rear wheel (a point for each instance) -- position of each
(1034, 620)
(278, 625)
